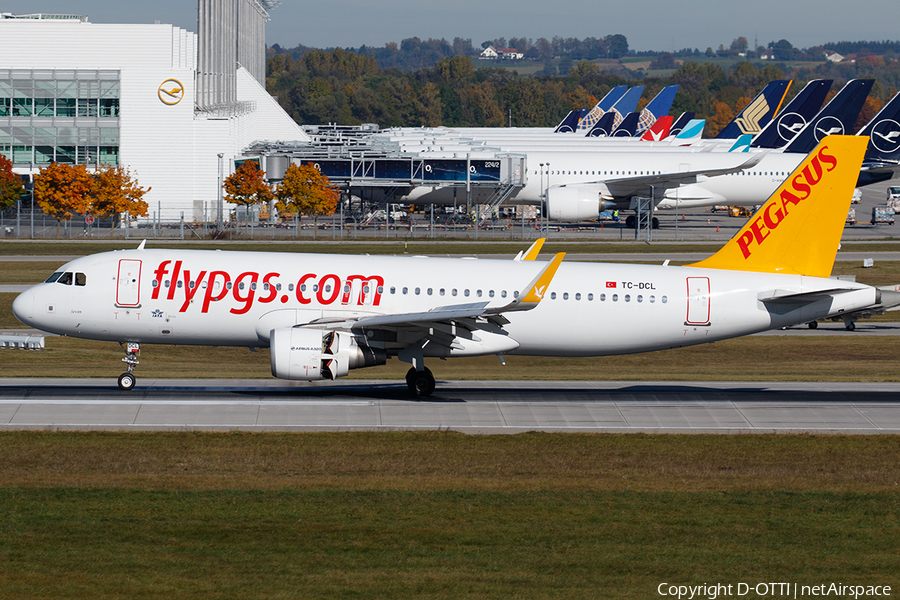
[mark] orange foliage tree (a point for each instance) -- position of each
(306, 191)
(61, 190)
(11, 188)
(247, 186)
(115, 191)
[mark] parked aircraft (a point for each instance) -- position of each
(322, 315)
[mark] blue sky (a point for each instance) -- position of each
(651, 25)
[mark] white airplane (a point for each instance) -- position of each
(322, 315)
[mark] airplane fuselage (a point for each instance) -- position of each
(238, 298)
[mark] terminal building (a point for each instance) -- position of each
(175, 107)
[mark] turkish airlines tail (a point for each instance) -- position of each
(798, 229)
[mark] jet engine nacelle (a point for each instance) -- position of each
(576, 202)
(311, 354)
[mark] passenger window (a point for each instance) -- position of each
(553, 295)
(54, 277)
(81, 279)
(66, 279)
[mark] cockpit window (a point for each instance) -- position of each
(80, 279)
(53, 277)
(65, 278)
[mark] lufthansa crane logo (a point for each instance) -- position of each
(171, 92)
(886, 135)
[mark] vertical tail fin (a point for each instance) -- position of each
(758, 113)
(883, 132)
(799, 111)
(838, 117)
(656, 108)
(799, 228)
(607, 102)
(659, 130)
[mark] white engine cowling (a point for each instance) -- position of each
(576, 202)
(310, 354)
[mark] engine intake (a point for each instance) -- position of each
(299, 353)
(576, 202)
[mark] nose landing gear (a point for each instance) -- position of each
(127, 379)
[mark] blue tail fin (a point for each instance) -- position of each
(692, 131)
(884, 133)
(742, 144)
(838, 117)
(656, 108)
(758, 113)
(607, 102)
(628, 126)
(604, 126)
(799, 111)
(680, 123)
(571, 121)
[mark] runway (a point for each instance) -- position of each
(476, 407)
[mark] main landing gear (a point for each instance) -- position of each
(420, 383)
(127, 379)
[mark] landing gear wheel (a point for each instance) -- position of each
(629, 222)
(813, 324)
(420, 383)
(655, 223)
(850, 326)
(126, 381)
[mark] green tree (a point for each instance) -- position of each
(11, 188)
(306, 191)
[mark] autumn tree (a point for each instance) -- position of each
(116, 191)
(11, 188)
(247, 186)
(306, 191)
(62, 190)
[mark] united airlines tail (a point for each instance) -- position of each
(758, 113)
(656, 108)
(607, 102)
(837, 118)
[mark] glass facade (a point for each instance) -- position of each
(65, 116)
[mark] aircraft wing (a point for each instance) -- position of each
(625, 187)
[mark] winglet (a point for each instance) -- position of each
(535, 290)
(535, 248)
(141, 247)
(799, 227)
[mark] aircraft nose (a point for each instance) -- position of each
(23, 307)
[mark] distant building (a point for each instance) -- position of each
(174, 106)
(491, 53)
(833, 56)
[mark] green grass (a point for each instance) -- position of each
(439, 515)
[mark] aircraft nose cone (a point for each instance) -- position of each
(23, 307)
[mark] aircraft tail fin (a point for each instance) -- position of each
(656, 108)
(659, 130)
(628, 126)
(758, 113)
(799, 228)
(571, 121)
(742, 144)
(692, 131)
(799, 111)
(603, 126)
(883, 132)
(605, 103)
(681, 122)
(837, 118)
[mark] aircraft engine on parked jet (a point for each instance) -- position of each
(301, 353)
(577, 202)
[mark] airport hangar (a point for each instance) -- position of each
(181, 109)
(175, 107)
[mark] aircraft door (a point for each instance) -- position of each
(697, 301)
(128, 286)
